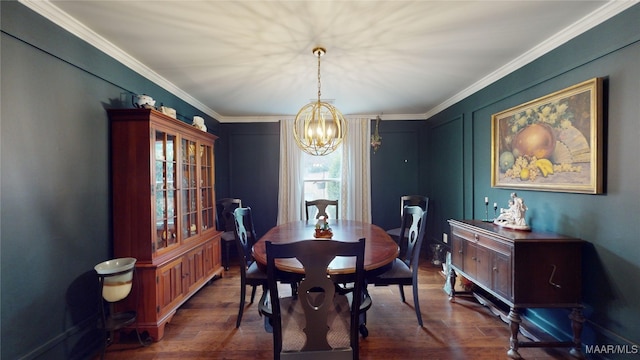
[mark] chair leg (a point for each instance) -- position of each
(416, 304)
(243, 293)
(253, 293)
(402, 293)
(227, 245)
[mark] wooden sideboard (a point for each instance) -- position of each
(522, 269)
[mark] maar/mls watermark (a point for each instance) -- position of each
(612, 349)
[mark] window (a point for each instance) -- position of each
(321, 176)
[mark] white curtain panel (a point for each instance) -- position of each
(290, 184)
(355, 199)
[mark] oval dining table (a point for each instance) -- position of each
(379, 251)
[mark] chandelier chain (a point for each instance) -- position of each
(319, 93)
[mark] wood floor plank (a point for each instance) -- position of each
(204, 328)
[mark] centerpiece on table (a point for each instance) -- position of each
(323, 230)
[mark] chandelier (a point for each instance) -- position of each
(319, 127)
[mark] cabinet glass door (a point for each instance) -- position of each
(206, 186)
(165, 190)
(189, 193)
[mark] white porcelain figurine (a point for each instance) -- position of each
(513, 216)
(199, 123)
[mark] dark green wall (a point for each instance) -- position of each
(610, 222)
(54, 175)
(54, 179)
(444, 173)
(249, 171)
(395, 170)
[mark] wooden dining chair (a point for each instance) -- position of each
(408, 200)
(404, 270)
(321, 206)
(225, 223)
(323, 322)
(250, 274)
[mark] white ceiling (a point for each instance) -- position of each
(252, 60)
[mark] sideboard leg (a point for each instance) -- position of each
(452, 283)
(514, 324)
(577, 320)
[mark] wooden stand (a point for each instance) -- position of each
(521, 269)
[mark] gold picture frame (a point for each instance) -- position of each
(553, 143)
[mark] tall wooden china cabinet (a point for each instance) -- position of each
(163, 211)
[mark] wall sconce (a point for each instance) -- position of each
(376, 139)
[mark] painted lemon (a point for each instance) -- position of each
(524, 174)
(506, 161)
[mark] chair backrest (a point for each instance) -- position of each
(413, 200)
(321, 205)
(224, 213)
(317, 296)
(412, 232)
(245, 235)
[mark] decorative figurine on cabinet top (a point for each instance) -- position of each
(168, 111)
(513, 217)
(198, 122)
(143, 101)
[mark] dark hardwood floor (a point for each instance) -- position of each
(204, 327)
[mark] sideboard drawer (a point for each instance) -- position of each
(483, 240)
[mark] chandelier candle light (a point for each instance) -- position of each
(319, 127)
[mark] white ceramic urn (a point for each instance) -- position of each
(143, 101)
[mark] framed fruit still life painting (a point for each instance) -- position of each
(553, 143)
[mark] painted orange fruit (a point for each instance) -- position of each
(534, 140)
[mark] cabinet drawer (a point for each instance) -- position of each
(482, 240)
(494, 244)
(463, 234)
